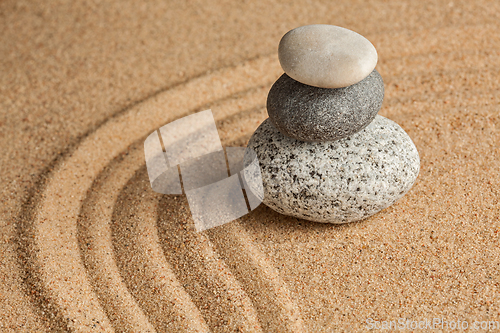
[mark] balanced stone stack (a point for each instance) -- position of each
(324, 153)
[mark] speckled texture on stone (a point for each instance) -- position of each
(314, 114)
(336, 182)
(326, 56)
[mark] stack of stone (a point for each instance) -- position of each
(324, 153)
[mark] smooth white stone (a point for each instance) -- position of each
(326, 56)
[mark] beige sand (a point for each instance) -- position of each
(85, 245)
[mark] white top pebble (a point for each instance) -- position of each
(326, 56)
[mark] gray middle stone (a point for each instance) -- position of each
(315, 114)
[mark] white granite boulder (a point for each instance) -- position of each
(338, 181)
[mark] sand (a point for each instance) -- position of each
(86, 246)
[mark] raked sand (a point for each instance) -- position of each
(87, 246)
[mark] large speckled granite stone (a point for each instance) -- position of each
(336, 182)
(309, 113)
(326, 56)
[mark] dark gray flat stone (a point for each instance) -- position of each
(314, 114)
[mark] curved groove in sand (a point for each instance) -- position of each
(219, 297)
(193, 252)
(203, 274)
(253, 270)
(164, 298)
(98, 253)
(100, 259)
(58, 267)
(137, 249)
